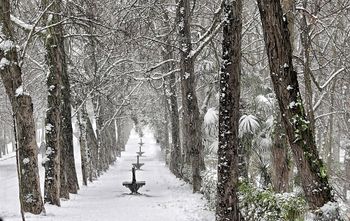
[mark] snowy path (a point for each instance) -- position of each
(163, 198)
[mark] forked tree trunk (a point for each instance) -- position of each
(24, 127)
(227, 200)
(300, 135)
(192, 131)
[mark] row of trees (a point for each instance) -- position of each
(159, 62)
(99, 146)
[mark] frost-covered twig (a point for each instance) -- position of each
(318, 103)
(120, 107)
(211, 33)
(332, 77)
(330, 113)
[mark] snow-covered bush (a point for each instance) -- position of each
(248, 124)
(210, 180)
(210, 131)
(263, 205)
(330, 211)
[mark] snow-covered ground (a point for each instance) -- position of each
(164, 197)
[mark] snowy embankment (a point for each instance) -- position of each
(164, 197)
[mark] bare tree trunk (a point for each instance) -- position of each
(2, 142)
(166, 124)
(175, 148)
(101, 135)
(330, 131)
(300, 135)
(120, 131)
(92, 145)
(5, 134)
(281, 162)
(56, 62)
(347, 171)
(192, 140)
(83, 147)
(71, 180)
(113, 138)
(227, 203)
(175, 159)
(104, 142)
(63, 169)
(306, 43)
(22, 108)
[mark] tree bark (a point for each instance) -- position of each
(92, 145)
(83, 146)
(24, 126)
(347, 171)
(192, 132)
(175, 148)
(300, 135)
(120, 136)
(64, 193)
(280, 159)
(175, 159)
(227, 203)
(55, 60)
(166, 125)
(281, 162)
(67, 149)
(2, 142)
(113, 138)
(330, 131)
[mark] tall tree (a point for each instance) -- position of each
(227, 202)
(176, 159)
(22, 109)
(67, 151)
(192, 139)
(55, 60)
(281, 162)
(167, 54)
(92, 145)
(82, 116)
(299, 132)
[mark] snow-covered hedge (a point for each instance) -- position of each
(263, 205)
